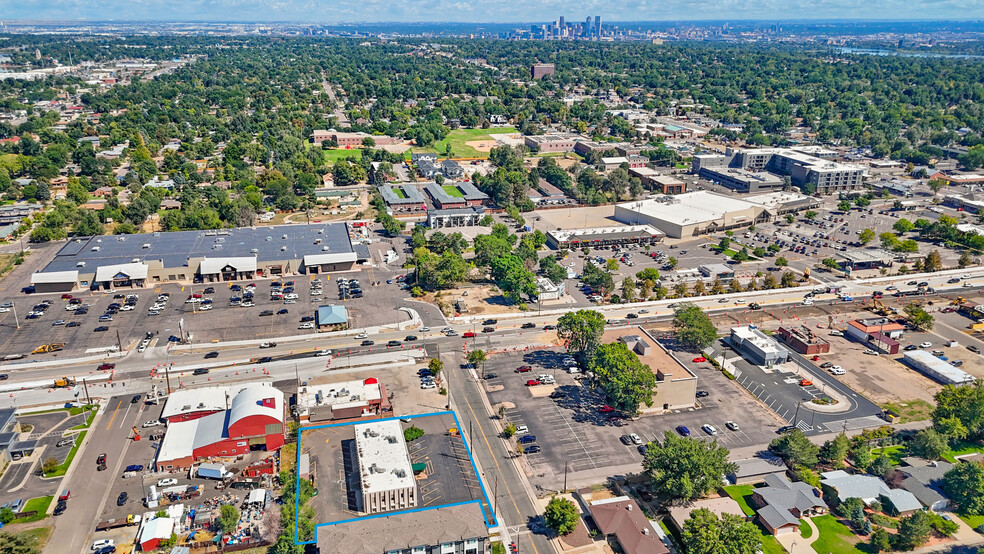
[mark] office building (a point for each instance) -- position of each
(360, 398)
(676, 385)
(385, 471)
(554, 142)
(540, 70)
(757, 347)
(808, 168)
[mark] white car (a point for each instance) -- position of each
(102, 543)
(362, 335)
(127, 308)
(205, 307)
(325, 352)
(836, 333)
(635, 438)
(428, 385)
(740, 301)
(151, 423)
(837, 370)
(291, 296)
(709, 429)
(307, 325)
(425, 329)
(522, 429)
(247, 304)
(731, 425)
(167, 482)
(806, 302)
(926, 345)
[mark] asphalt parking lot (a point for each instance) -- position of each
(223, 321)
(22, 479)
(575, 436)
(449, 477)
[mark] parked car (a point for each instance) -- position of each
(709, 429)
(121, 499)
(201, 371)
(731, 425)
(532, 449)
(683, 431)
(170, 481)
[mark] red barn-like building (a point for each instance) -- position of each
(197, 430)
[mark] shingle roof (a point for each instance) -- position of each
(785, 495)
(625, 520)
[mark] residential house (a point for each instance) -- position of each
(922, 479)
(679, 514)
(839, 485)
(782, 503)
(621, 519)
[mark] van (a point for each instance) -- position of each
(952, 343)
(574, 370)
(65, 494)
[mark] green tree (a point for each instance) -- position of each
(672, 262)
(582, 330)
(844, 206)
(964, 403)
(810, 215)
(788, 279)
(881, 466)
(7, 515)
(477, 358)
(627, 382)
(705, 533)
(880, 540)
(933, 262)
(913, 532)
(835, 451)
(903, 226)
(964, 260)
(918, 317)
(795, 449)
(964, 485)
(781, 262)
(49, 464)
(694, 328)
(724, 244)
(861, 456)
(228, 518)
(611, 264)
(866, 236)
(685, 469)
(936, 185)
(929, 444)
(561, 515)
(435, 366)
(17, 544)
(628, 289)
(648, 274)
(830, 262)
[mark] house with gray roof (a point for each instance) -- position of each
(922, 479)
(782, 503)
(839, 485)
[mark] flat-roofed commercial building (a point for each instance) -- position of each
(385, 471)
(676, 386)
(936, 368)
(692, 213)
(453, 529)
(200, 256)
(805, 166)
(556, 142)
(360, 398)
(655, 181)
(600, 236)
(456, 194)
(403, 196)
(757, 347)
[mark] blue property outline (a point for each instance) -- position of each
(297, 484)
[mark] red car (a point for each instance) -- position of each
(605, 409)
(523, 369)
(66, 297)
(468, 334)
(101, 459)
(106, 366)
(532, 382)
(699, 359)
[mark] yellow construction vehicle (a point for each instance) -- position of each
(46, 348)
(958, 301)
(64, 382)
(879, 308)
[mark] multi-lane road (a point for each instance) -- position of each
(294, 358)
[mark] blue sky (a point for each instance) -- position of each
(351, 11)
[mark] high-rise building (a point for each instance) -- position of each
(598, 26)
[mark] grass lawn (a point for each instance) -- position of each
(805, 530)
(973, 521)
(71, 411)
(39, 505)
(453, 190)
(894, 453)
(398, 191)
(60, 470)
(8, 261)
(963, 447)
(458, 137)
(834, 536)
(88, 420)
(37, 537)
(336, 154)
(910, 410)
(742, 494)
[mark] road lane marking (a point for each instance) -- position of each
(114, 414)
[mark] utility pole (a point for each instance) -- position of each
(85, 387)
(796, 416)
(167, 377)
(118, 341)
(565, 475)
(471, 430)
(16, 321)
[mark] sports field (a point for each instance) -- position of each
(469, 143)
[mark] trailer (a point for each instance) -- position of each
(116, 523)
(212, 471)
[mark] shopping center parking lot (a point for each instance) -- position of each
(572, 432)
(222, 321)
